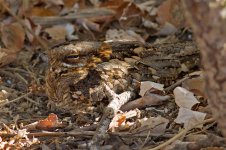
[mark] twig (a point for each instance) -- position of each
(16, 69)
(171, 87)
(54, 134)
(145, 141)
(86, 134)
(116, 102)
(85, 13)
(180, 134)
(21, 78)
(14, 100)
(44, 46)
(31, 100)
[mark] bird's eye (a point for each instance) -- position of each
(72, 57)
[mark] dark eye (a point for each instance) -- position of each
(72, 57)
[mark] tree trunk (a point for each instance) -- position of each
(209, 27)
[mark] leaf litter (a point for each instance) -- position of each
(153, 120)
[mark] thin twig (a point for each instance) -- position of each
(21, 78)
(171, 87)
(180, 134)
(145, 141)
(32, 101)
(14, 100)
(86, 134)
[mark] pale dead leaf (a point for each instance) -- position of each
(156, 125)
(119, 123)
(57, 32)
(35, 28)
(96, 3)
(149, 99)
(88, 24)
(148, 6)
(129, 15)
(114, 34)
(135, 35)
(147, 85)
(166, 29)
(54, 2)
(13, 36)
(196, 85)
(195, 137)
(6, 56)
(184, 98)
(171, 11)
(189, 118)
(28, 34)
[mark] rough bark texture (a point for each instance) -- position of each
(209, 27)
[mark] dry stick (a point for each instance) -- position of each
(180, 134)
(21, 78)
(86, 13)
(84, 134)
(145, 141)
(44, 46)
(32, 101)
(14, 100)
(13, 90)
(54, 134)
(116, 102)
(171, 87)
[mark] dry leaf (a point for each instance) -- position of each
(184, 98)
(155, 125)
(42, 12)
(119, 120)
(189, 118)
(6, 56)
(54, 3)
(112, 4)
(196, 85)
(57, 33)
(114, 34)
(13, 36)
(166, 29)
(171, 11)
(50, 123)
(35, 28)
(149, 99)
(147, 85)
(88, 24)
(129, 15)
(70, 3)
(195, 137)
(136, 36)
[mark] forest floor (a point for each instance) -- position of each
(30, 28)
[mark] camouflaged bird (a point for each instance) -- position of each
(83, 66)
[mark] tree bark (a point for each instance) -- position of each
(209, 27)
